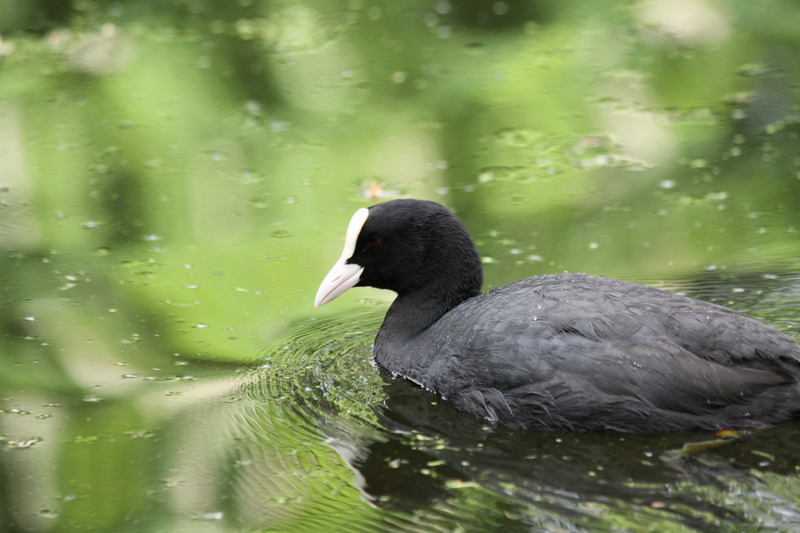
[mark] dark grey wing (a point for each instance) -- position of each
(607, 308)
(608, 351)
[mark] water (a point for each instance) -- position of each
(176, 180)
(313, 435)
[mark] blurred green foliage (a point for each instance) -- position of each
(232, 134)
(175, 176)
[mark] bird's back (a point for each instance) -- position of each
(579, 352)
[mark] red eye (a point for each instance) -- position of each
(375, 241)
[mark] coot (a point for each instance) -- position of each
(559, 351)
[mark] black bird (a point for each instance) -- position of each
(559, 351)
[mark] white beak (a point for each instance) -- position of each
(343, 275)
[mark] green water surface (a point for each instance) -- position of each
(175, 181)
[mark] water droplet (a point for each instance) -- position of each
(486, 177)
(253, 107)
(281, 234)
(443, 7)
(500, 8)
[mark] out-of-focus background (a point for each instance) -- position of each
(176, 178)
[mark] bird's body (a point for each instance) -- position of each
(570, 351)
(561, 351)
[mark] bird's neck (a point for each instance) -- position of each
(413, 313)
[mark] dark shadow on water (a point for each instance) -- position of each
(433, 450)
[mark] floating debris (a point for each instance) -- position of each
(376, 189)
(20, 444)
(211, 516)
